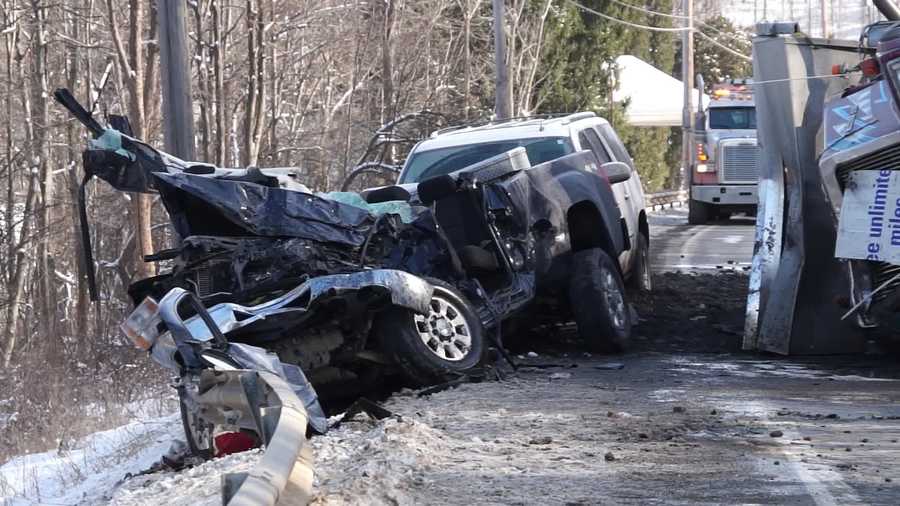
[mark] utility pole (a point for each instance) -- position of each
(687, 76)
(178, 109)
(826, 31)
(503, 87)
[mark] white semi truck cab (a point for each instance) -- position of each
(725, 169)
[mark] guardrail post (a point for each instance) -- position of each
(284, 473)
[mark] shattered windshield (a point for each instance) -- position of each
(437, 162)
(732, 118)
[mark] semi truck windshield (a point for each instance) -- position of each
(732, 118)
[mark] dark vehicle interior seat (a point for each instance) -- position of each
(460, 213)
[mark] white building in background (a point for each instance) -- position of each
(654, 98)
(845, 17)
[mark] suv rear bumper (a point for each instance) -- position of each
(725, 194)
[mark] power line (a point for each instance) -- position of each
(627, 23)
(648, 11)
(676, 16)
(661, 29)
(723, 46)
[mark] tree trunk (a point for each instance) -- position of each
(11, 38)
(467, 52)
(256, 90)
(203, 81)
(151, 95)
(387, 64)
(274, 94)
(221, 104)
(141, 203)
(41, 154)
(131, 65)
(73, 141)
(16, 289)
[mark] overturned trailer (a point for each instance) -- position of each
(825, 267)
(795, 278)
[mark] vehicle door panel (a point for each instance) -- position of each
(590, 140)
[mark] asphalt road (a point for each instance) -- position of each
(675, 245)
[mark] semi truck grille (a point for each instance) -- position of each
(740, 163)
(887, 158)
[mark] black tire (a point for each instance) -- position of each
(597, 298)
(698, 212)
(641, 277)
(401, 333)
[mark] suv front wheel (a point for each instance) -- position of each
(597, 298)
(436, 347)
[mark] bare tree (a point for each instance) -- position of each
(20, 268)
(131, 67)
(256, 90)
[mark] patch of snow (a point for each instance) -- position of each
(86, 473)
(668, 394)
(671, 217)
(196, 486)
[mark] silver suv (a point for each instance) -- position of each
(544, 139)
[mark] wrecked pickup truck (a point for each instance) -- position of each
(345, 288)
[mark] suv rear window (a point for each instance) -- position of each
(732, 118)
(437, 162)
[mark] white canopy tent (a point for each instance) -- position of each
(654, 98)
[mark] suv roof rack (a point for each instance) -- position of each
(564, 117)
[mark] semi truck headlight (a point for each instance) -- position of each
(702, 167)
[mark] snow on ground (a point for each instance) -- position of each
(564, 430)
(668, 216)
(196, 486)
(362, 462)
(85, 473)
(493, 443)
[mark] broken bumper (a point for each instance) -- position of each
(212, 324)
(405, 290)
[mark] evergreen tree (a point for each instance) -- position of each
(713, 62)
(578, 66)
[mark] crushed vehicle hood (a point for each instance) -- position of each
(201, 205)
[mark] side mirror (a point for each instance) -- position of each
(617, 171)
(700, 122)
(433, 189)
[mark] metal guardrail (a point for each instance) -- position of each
(284, 474)
(662, 199)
